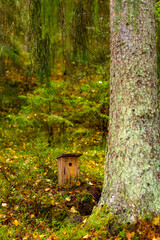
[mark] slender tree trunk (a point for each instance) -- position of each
(132, 169)
(2, 67)
(63, 10)
(50, 128)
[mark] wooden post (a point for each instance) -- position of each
(67, 167)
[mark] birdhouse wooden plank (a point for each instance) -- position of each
(68, 168)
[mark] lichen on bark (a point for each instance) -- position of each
(132, 168)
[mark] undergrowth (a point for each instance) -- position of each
(34, 206)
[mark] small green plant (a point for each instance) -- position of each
(44, 111)
(148, 216)
(122, 235)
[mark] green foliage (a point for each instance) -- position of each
(157, 6)
(49, 14)
(86, 30)
(81, 20)
(4, 233)
(42, 47)
(93, 103)
(63, 109)
(11, 35)
(44, 110)
(100, 217)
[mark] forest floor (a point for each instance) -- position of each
(34, 206)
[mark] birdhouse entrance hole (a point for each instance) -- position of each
(68, 168)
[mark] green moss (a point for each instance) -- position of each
(101, 216)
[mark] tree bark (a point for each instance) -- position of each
(2, 67)
(132, 168)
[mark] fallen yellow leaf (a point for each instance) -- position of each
(15, 222)
(67, 199)
(42, 236)
(78, 183)
(16, 207)
(156, 221)
(52, 237)
(35, 236)
(85, 220)
(73, 210)
(87, 236)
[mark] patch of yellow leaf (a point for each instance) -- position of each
(52, 237)
(15, 223)
(73, 210)
(78, 183)
(156, 221)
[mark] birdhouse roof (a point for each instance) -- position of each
(70, 155)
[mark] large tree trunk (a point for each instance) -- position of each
(132, 168)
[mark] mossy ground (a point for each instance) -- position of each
(33, 206)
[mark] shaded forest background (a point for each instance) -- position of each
(54, 99)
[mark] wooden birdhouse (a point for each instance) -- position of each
(67, 168)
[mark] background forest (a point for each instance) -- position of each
(54, 99)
